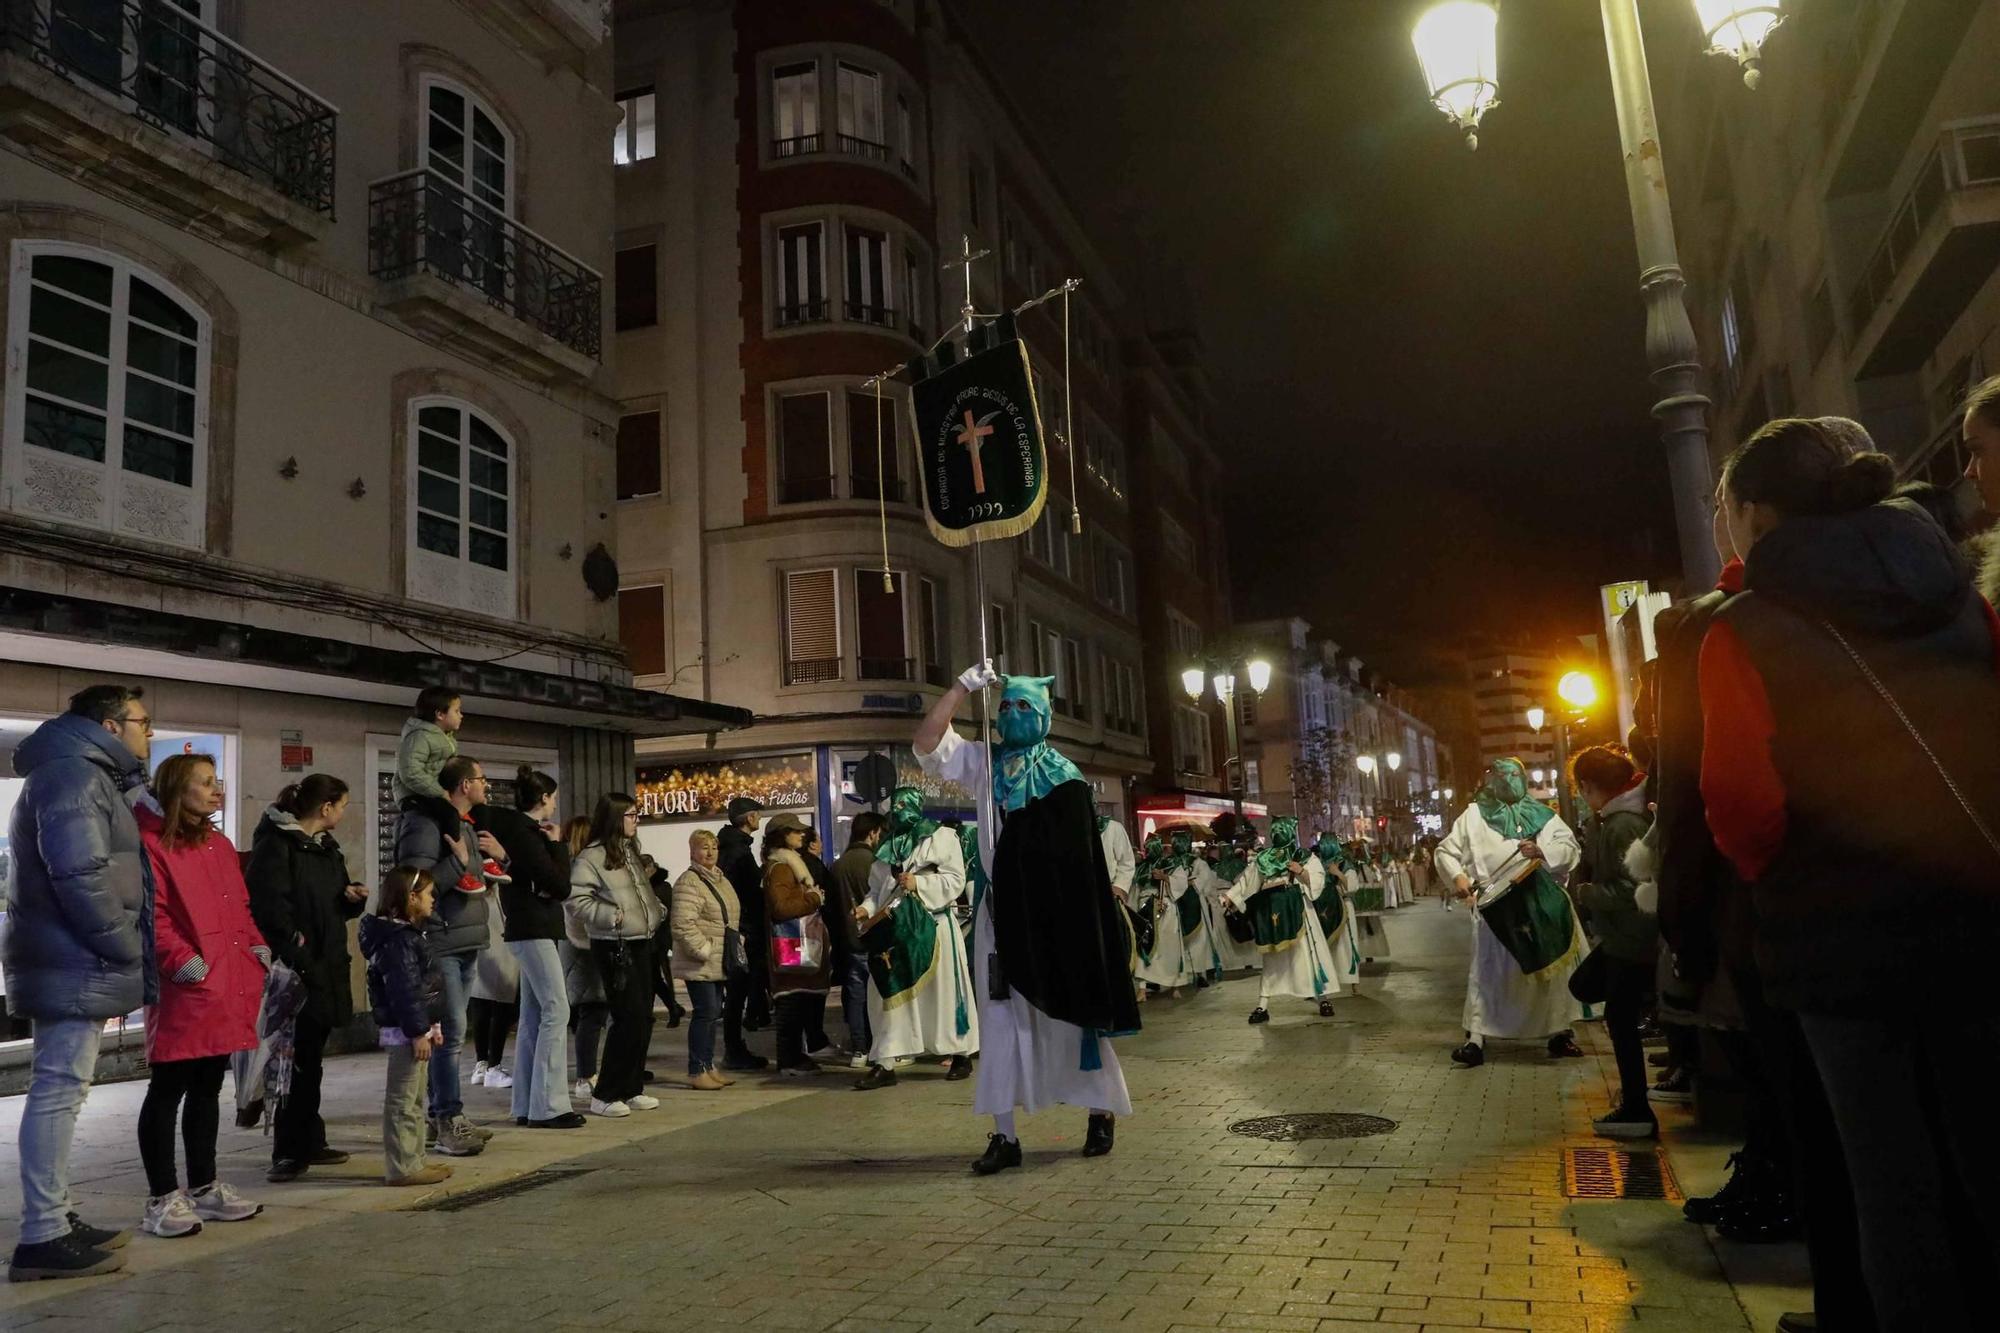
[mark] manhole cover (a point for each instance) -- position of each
(1312, 1125)
(1600, 1173)
(506, 1189)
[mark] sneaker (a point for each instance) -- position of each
(567, 1120)
(1766, 1218)
(641, 1102)
(1805, 1322)
(324, 1156)
(858, 1060)
(65, 1256)
(609, 1110)
(285, 1169)
(466, 1127)
(497, 1077)
(1676, 1089)
(579, 1091)
(219, 1202)
(452, 1143)
(1627, 1123)
(479, 1068)
(824, 1051)
(430, 1131)
(434, 1174)
(170, 1216)
(97, 1238)
(496, 872)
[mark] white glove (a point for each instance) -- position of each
(978, 676)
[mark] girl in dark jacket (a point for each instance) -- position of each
(404, 991)
(302, 898)
(531, 904)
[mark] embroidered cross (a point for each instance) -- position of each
(970, 437)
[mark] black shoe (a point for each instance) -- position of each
(1675, 1089)
(745, 1062)
(1097, 1138)
(325, 1156)
(961, 1067)
(1748, 1178)
(646, 1076)
(520, 1122)
(1471, 1055)
(1628, 1122)
(567, 1120)
(98, 1238)
(1001, 1153)
(1260, 1015)
(1563, 1046)
(1770, 1219)
(66, 1256)
(1807, 1322)
(1201, 983)
(284, 1169)
(1326, 1008)
(878, 1076)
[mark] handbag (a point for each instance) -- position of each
(799, 946)
(1951, 784)
(735, 958)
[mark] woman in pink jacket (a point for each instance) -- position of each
(212, 964)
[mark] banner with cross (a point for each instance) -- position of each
(979, 445)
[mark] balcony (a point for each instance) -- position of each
(456, 267)
(861, 312)
(556, 32)
(819, 490)
(1893, 60)
(151, 104)
(798, 145)
(811, 670)
(885, 668)
(793, 314)
(858, 147)
(1941, 244)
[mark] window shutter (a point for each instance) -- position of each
(812, 616)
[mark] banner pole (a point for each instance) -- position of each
(987, 817)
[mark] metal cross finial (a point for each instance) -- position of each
(964, 260)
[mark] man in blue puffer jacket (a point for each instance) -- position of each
(78, 948)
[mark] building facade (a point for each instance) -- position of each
(306, 404)
(793, 184)
(1838, 224)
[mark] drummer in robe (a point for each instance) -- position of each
(1139, 909)
(1277, 891)
(1167, 967)
(1197, 947)
(1050, 951)
(1231, 954)
(921, 1001)
(1336, 913)
(1515, 852)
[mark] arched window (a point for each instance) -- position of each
(465, 142)
(463, 488)
(107, 396)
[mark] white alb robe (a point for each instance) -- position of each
(1028, 1059)
(1229, 954)
(1119, 859)
(1304, 971)
(1344, 944)
(924, 1019)
(1500, 999)
(1172, 964)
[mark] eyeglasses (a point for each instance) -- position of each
(145, 724)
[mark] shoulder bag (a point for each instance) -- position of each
(735, 958)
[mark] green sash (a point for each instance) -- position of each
(902, 951)
(1277, 914)
(1533, 920)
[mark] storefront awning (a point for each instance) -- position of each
(82, 634)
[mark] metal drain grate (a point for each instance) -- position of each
(506, 1189)
(1312, 1125)
(1600, 1173)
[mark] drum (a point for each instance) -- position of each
(1531, 917)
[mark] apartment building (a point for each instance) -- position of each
(796, 186)
(1840, 225)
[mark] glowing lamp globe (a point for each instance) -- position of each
(1738, 29)
(1458, 46)
(1365, 762)
(1225, 686)
(1536, 717)
(1577, 689)
(1260, 675)
(1194, 681)
(1395, 759)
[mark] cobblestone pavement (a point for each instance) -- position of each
(780, 1206)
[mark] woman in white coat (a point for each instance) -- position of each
(1499, 835)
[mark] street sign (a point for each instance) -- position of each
(979, 446)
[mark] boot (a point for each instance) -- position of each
(1747, 1177)
(1768, 1217)
(1563, 1046)
(1098, 1135)
(961, 1067)
(1001, 1153)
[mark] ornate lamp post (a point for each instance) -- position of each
(1457, 43)
(1195, 680)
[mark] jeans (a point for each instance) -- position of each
(705, 999)
(1627, 989)
(296, 1128)
(403, 1113)
(629, 988)
(854, 985)
(65, 1060)
(541, 1060)
(489, 1022)
(1909, 1096)
(199, 1083)
(456, 970)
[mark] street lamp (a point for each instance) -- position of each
(1536, 717)
(1456, 44)
(1260, 675)
(1365, 762)
(1196, 681)
(1577, 689)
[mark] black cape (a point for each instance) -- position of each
(1056, 923)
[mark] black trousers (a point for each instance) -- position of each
(796, 1016)
(757, 999)
(735, 999)
(296, 1129)
(193, 1089)
(1818, 1163)
(1628, 993)
(629, 989)
(663, 980)
(490, 1021)
(586, 1022)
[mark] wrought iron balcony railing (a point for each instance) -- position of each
(804, 312)
(812, 670)
(799, 145)
(173, 72)
(860, 147)
(420, 221)
(864, 313)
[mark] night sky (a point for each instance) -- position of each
(1430, 361)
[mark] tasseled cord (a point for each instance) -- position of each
(1069, 426)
